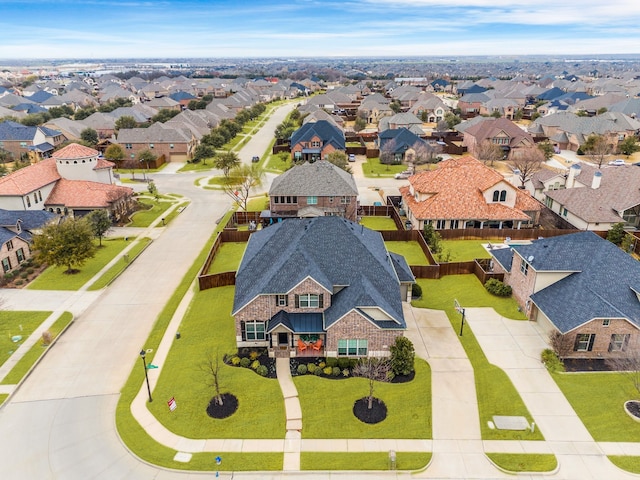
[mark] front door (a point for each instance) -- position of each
(283, 338)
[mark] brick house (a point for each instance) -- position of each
(498, 131)
(314, 189)
(323, 286)
(464, 193)
(173, 143)
(315, 140)
(36, 142)
(579, 285)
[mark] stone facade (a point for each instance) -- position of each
(13, 253)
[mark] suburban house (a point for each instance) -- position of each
(401, 120)
(74, 181)
(321, 286)
(591, 198)
(171, 142)
(36, 142)
(313, 190)
(499, 131)
(16, 228)
(402, 144)
(315, 140)
(579, 285)
(464, 193)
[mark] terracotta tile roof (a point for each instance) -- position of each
(73, 151)
(456, 189)
(102, 163)
(30, 178)
(85, 194)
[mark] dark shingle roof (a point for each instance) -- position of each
(320, 179)
(328, 132)
(30, 219)
(332, 251)
(601, 280)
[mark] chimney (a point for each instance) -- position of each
(516, 177)
(574, 171)
(597, 178)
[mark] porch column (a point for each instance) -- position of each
(500, 226)
(519, 225)
(481, 225)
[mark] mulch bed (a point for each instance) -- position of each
(404, 378)
(633, 408)
(375, 414)
(228, 407)
(586, 365)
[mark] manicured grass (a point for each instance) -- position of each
(378, 223)
(408, 405)
(373, 168)
(36, 351)
(362, 460)
(275, 163)
(625, 462)
(228, 257)
(119, 267)
(54, 278)
(17, 323)
(610, 424)
(496, 394)
(411, 251)
(257, 204)
(465, 250)
(134, 436)
(144, 218)
(520, 462)
(3, 397)
(208, 328)
(197, 167)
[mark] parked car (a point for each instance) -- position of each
(352, 157)
(402, 176)
(255, 159)
(617, 162)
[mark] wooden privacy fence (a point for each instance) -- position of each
(213, 280)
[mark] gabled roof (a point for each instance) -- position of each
(602, 280)
(401, 137)
(85, 194)
(332, 251)
(456, 189)
(323, 129)
(492, 127)
(320, 178)
(29, 219)
(30, 178)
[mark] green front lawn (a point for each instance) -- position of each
(228, 257)
(373, 168)
(411, 251)
(496, 394)
(36, 351)
(378, 223)
(466, 250)
(258, 204)
(610, 424)
(408, 406)
(208, 328)
(153, 210)
(362, 460)
(55, 278)
(17, 323)
(197, 166)
(521, 462)
(625, 462)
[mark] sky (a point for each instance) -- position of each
(68, 29)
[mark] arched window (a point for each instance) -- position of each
(503, 195)
(496, 195)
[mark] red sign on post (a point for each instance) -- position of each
(172, 404)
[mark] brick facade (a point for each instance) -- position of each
(602, 339)
(9, 251)
(355, 327)
(179, 151)
(345, 206)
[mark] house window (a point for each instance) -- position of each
(619, 342)
(353, 347)
(584, 342)
(440, 224)
(253, 330)
(35, 198)
(548, 202)
(309, 300)
(23, 144)
(151, 145)
(503, 195)
(345, 200)
(496, 195)
(40, 195)
(606, 322)
(524, 268)
(330, 199)
(316, 144)
(454, 224)
(9, 245)
(20, 255)
(6, 264)
(312, 200)
(564, 212)
(28, 201)
(281, 300)
(171, 145)
(499, 195)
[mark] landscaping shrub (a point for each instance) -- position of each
(245, 362)
(322, 365)
(30, 271)
(311, 367)
(8, 276)
(24, 275)
(255, 364)
(262, 370)
(46, 338)
(497, 288)
(19, 282)
(402, 356)
(346, 372)
(551, 361)
(302, 369)
(416, 291)
(353, 362)
(327, 370)
(317, 371)
(331, 362)
(343, 362)
(235, 360)
(254, 354)
(335, 371)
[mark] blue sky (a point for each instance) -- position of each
(310, 28)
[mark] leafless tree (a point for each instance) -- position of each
(239, 182)
(526, 161)
(373, 369)
(488, 152)
(387, 153)
(425, 152)
(561, 344)
(597, 149)
(628, 365)
(211, 368)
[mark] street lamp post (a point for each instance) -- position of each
(143, 355)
